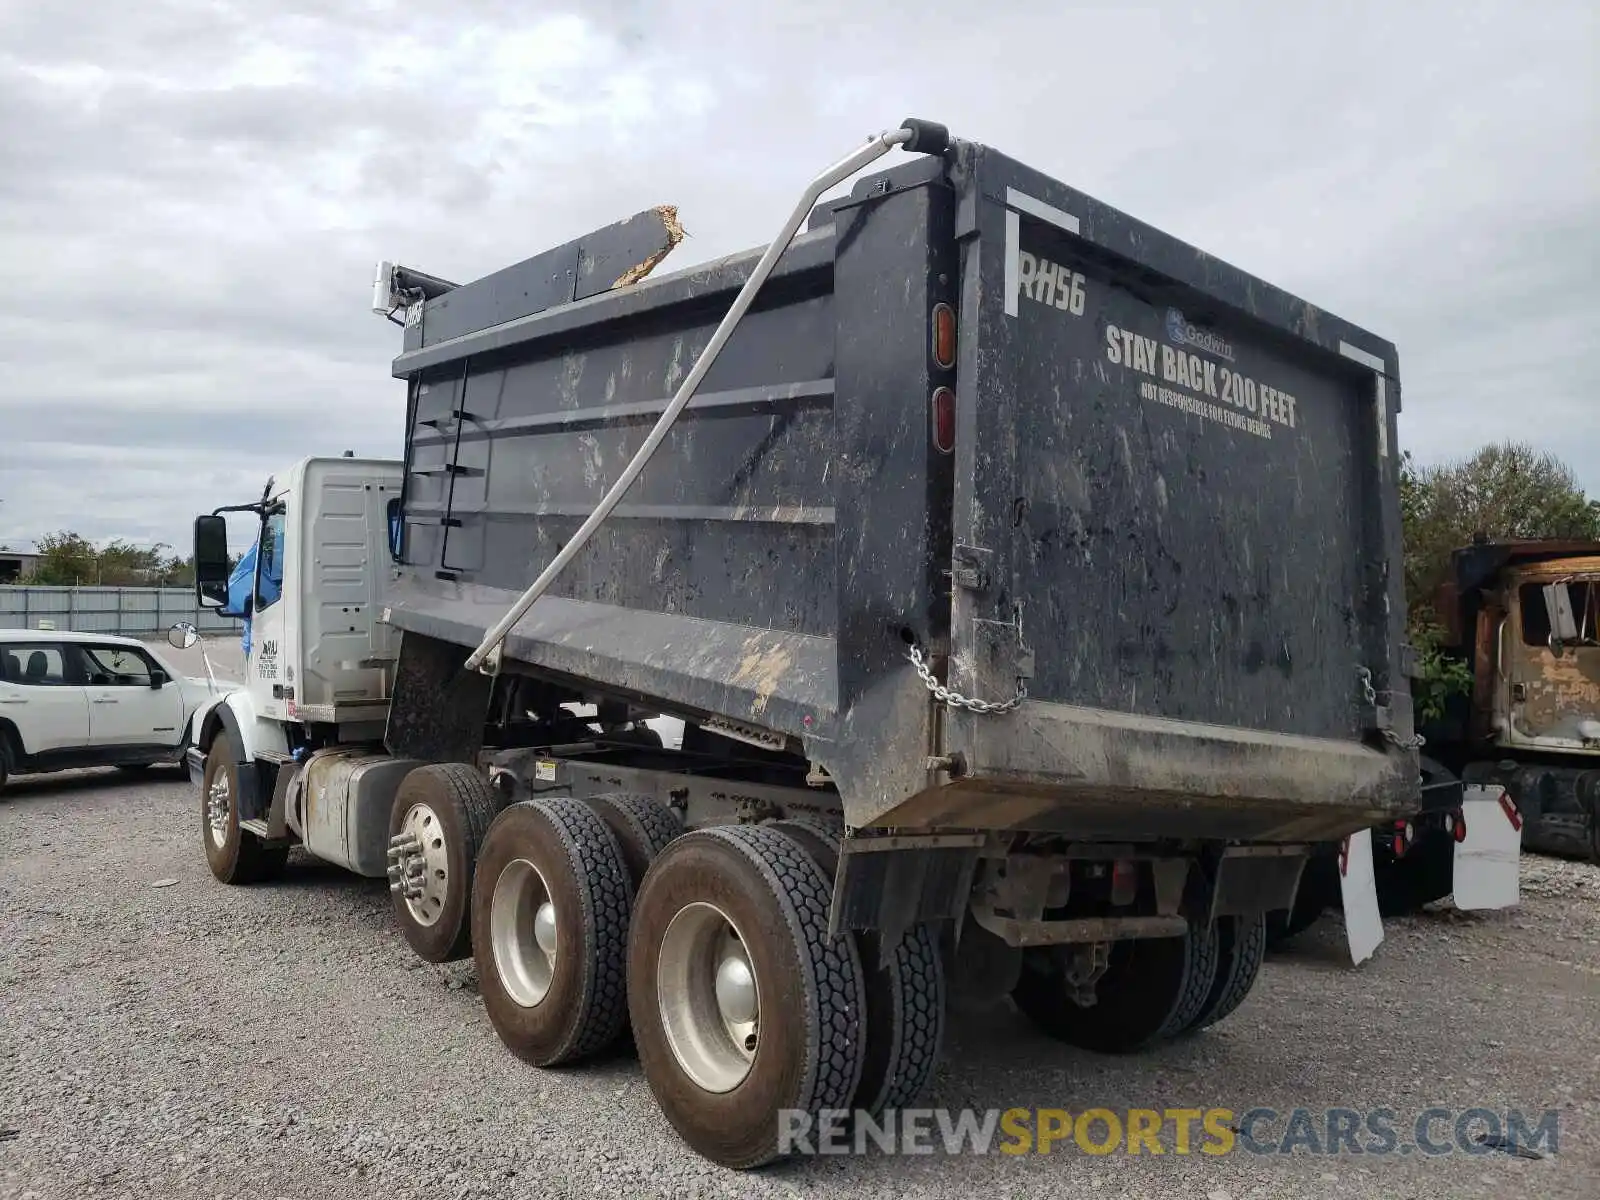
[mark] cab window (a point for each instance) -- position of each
(1583, 599)
(269, 562)
(34, 664)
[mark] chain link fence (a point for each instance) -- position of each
(131, 611)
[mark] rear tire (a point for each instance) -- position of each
(907, 998)
(553, 979)
(642, 825)
(448, 807)
(907, 995)
(235, 855)
(1150, 990)
(1241, 946)
(742, 1006)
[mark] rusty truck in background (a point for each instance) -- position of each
(1524, 616)
(1025, 584)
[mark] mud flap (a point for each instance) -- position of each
(1358, 892)
(1488, 857)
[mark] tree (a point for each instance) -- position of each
(1504, 491)
(67, 559)
(1507, 490)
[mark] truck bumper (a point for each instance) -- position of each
(195, 760)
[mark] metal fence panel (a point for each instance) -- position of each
(132, 611)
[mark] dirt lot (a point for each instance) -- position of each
(185, 1039)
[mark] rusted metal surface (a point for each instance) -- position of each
(608, 259)
(1554, 689)
(673, 235)
(1084, 929)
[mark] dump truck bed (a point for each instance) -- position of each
(1169, 515)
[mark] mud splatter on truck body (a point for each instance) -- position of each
(1169, 512)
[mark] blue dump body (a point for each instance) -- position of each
(1169, 513)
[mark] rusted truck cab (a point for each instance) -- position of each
(1526, 617)
(1545, 694)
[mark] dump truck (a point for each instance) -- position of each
(1024, 584)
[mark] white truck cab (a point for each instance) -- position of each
(319, 668)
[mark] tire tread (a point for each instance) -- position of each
(606, 892)
(833, 982)
(919, 981)
(1247, 952)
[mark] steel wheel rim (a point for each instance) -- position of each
(422, 823)
(218, 802)
(709, 997)
(522, 933)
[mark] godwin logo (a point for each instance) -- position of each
(1181, 333)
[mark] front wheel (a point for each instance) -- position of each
(235, 855)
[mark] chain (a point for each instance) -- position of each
(1415, 742)
(945, 696)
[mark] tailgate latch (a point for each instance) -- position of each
(971, 567)
(1381, 720)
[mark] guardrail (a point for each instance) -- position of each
(132, 611)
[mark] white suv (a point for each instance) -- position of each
(92, 700)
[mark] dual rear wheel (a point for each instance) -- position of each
(1144, 990)
(592, 919)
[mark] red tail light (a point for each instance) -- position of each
(944, 336)
(1124, 882)
(944, 420)
(1458, 828)
(1509, 807)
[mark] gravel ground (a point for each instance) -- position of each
(192, 1040)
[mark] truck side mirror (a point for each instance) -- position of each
(211, 566)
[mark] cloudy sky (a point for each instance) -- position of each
(192, 195)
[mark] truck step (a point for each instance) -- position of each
(258, 827)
